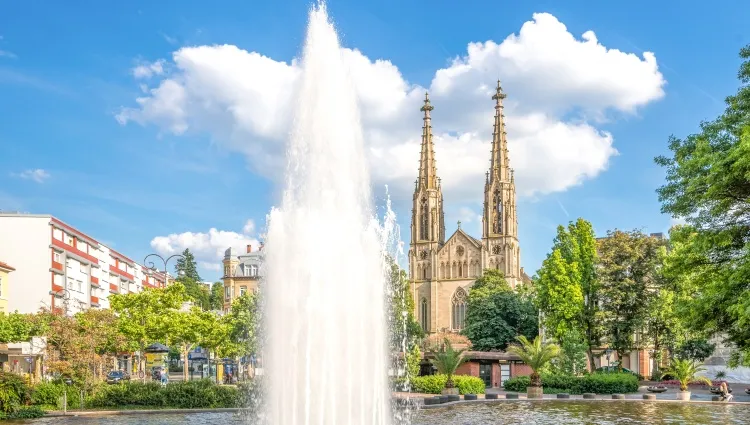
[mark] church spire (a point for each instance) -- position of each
(427, 170)
(499, 163)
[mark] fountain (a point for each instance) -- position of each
(326, 352)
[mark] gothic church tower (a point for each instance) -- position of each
(427, 221)
(500, 220)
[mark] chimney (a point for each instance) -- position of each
(249, 248)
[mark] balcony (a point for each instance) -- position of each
(121, 273)
(95, 301)
(95, 282)
(57, 266)
(112, 288)
(75, 251)
(57, 289)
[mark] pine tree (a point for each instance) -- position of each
(186, 267)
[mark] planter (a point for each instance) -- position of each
(618, 396)
(683, 395)
(589, 396)
(657, 390)
(490, 396)
(649, 396)
(469, 397)
(747, 391)
(534, 392)
(563, 395)
(449, 391)
(511, 396)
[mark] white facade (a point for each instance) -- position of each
(58, 266)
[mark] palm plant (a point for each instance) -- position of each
(535, 354)
(684, 370)
(447, 360)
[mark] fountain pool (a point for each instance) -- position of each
(550, 412)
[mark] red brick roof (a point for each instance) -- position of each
(5, 266)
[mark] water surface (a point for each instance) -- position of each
(523, 412)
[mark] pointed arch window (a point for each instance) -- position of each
(424, 315)
(458, 309)
(424, 221)
(497, 204)
(460, 270)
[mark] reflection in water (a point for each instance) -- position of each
(579, 412)
(525, 412)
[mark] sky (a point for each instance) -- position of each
(159, 126)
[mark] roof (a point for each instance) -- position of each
(6, 267)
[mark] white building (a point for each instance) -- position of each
(60, 267)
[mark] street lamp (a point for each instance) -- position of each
(152, 268)
(608, 353)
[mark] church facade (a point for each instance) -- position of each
(441, 271)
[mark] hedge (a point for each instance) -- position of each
(14, 393)
(599, 383)
(434, 384)
(181, 395)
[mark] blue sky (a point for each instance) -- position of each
(66, 72)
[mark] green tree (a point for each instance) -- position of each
(15, 327)
(536, 354)
(495, 314)
(403, 324)
(708, 184)
(629, 270)
(243, 321)
(144, 316)
(697, 350)
(187, 267)
(447, 359)
(196, 291)
(216, 297)
(188, 329)
(568, 289)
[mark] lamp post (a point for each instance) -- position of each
(608, 353)
(151, 268)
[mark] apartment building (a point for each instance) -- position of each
(61, 267)
(242, 273)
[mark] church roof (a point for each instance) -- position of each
(471, 239)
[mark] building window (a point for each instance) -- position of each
(458, 309)
(424, 221)
(243, 290)
(497, 225)
(253, 270)
(79, 283)
(56, 257)
(226, 270)
(84, 270)
(228, 292)
(424, 315)
(69, 240)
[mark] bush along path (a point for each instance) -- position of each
(598, 383)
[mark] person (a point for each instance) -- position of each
(164, 377)
(725, 395)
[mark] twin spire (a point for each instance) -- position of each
(499, 162)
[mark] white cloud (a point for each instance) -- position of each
(208, 248)
(7, 54)
(560, 88)
(149, 70)
(38, 175)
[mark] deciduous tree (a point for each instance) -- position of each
(495, 315)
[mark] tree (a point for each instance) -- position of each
(447, 360)
(535, 354)
(187, 267)
(495, 314)
(188, 329)
(197, 292)
(144, 316)
(243, 321)
(216, 297)
(568, 289)
(15, 327)
(708, 184)
(696, 350)
(405, 330)
(629, 275)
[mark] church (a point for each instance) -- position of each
(441, 271)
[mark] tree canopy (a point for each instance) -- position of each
(708, 185)
(495, 315)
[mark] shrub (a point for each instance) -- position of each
(182, 395)
(600, 383)
(434, 384)
(25, 412)
(14, 392)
